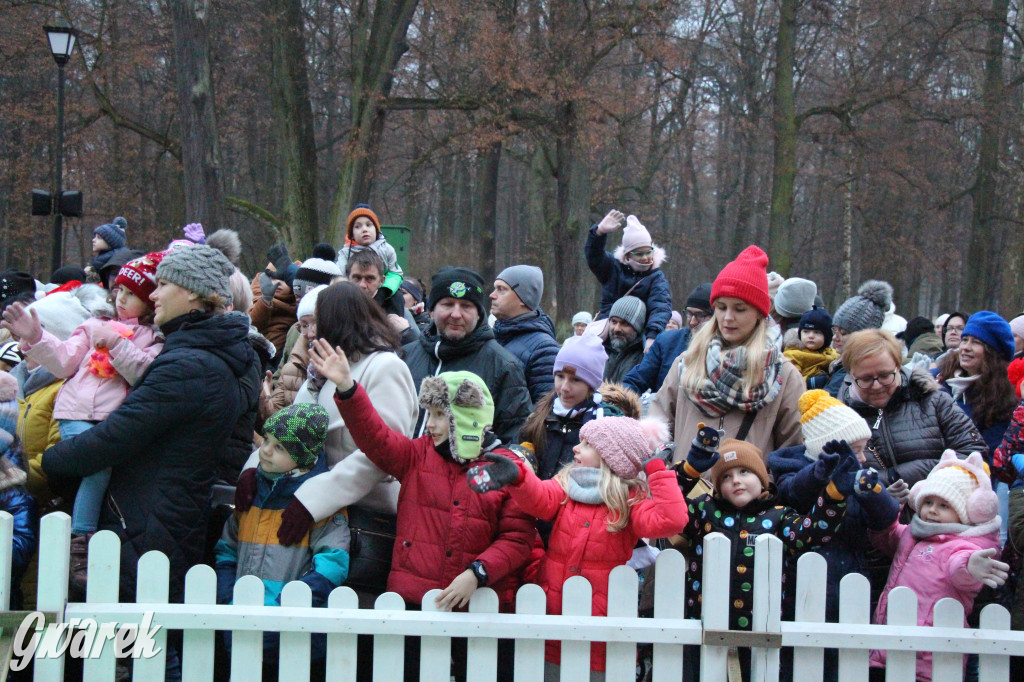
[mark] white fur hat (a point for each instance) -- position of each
(964, 484)
(62, 311)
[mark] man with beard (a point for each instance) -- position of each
(459, 338)
(625, 346)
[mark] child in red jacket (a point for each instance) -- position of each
(449, 537)
(600, 508)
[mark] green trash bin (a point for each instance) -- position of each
(399, 236)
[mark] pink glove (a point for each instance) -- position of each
(194, 233)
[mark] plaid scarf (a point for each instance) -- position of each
(723, 390)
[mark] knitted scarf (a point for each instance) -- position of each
(922, 529)
(723, 391)
(583, 485)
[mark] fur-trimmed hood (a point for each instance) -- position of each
(622, 398)
(659, 256)
(464, 397)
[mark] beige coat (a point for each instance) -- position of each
(776, 426)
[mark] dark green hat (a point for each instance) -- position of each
(301, 429)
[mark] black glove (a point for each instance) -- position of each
(703, 455)
(664, 454)
(825, 465)
(278, 255)
(501, 472)
(245, 490)
(839, 447)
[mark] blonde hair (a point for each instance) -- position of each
(617, 493)
(867, 342)
(695, 372)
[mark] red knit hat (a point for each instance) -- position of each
(745, 278)
(360, 210)
(139, 275)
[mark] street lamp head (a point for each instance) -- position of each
(62, 39)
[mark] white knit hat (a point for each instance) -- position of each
(964, 484)
(307, 305)
(823, 418)
(635, 235)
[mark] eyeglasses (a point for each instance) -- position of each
(306, 326)
(958, 330)
(700, 317)
(882, 379)
(641, 254)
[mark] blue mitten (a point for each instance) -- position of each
(703, 450)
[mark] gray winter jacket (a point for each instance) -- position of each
(910, 433)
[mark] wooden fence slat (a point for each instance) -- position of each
(198, 646)
(435, 652)
(342, 649)
(669, 602)
(482, 652)
(990, 667)
(946, 667)
(6, 549)
(529, 657)
(623, 588)
(103, 587)
(577, 598)
(767, 612)
(811, 569)
(855, 609)
(715, 603)
(902, 610)
(388, 650)
(152, 587)
(294, 650)
(52, 592)
(247, 645)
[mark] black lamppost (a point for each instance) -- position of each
(62, 42)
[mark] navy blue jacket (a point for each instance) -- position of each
(616, 278)
(531, 338)
(165, 442)
(651, 371)
(850, 551)
(16, 501)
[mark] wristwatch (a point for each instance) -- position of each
(479, 571)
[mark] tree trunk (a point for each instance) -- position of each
(784, 124)
(378, 45)
(981, 286)
(489, 211)
(200, 154)
(293, 114)
(573, 212)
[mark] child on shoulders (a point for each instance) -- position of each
(363, 232)
(813, 353)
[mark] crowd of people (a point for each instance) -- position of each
(348, 403)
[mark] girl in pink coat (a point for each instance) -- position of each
(950, 549)
(101, 360)
(600, 507)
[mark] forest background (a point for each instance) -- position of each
(850, 138)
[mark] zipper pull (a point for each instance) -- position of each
(878, 421)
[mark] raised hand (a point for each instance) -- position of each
(826, 464)
(22, 323)
(840, 447)
(500, 472)
(331, 364)
(843, 479)
(900, 491)
(278, 255)
(194, 233)
(703, 455)
(986, 569)
(268, 287)
(611, 222)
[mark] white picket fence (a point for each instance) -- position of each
(200, 616)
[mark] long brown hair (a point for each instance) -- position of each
(991, 396)
(535, 430)
(346, 317)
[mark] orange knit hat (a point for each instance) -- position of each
(358, 211)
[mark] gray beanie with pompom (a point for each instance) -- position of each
(867, 309)
(201, 269)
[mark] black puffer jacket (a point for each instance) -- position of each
(480, 354)
(910, 433)
(166, 441)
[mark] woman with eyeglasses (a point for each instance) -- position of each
(912, 419)
(733, 375)
(865, 310)
(634, 270)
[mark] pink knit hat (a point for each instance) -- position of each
(964, 484)
(635, 235)
(625, 443)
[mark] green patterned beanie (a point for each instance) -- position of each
(301, 429)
